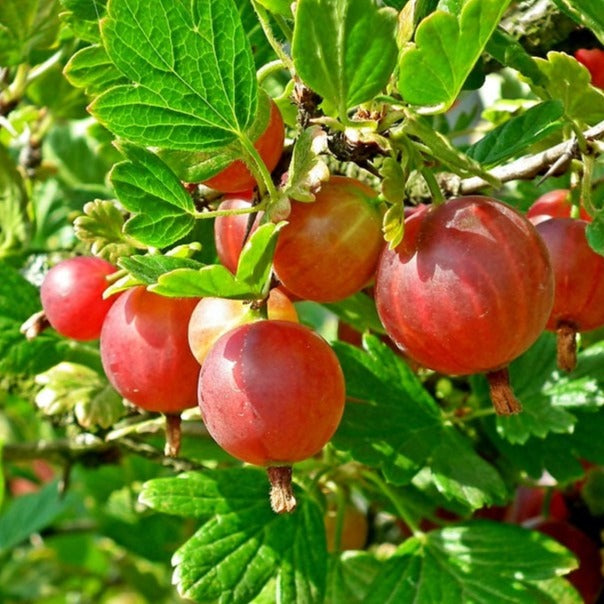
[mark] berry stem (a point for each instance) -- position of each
(566, 341)
(173, 434)
(282, 495)
(502, 395)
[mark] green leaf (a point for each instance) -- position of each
(1, 475)
(256, 261)
(193, 82)
(91, 68)
(459, 473)
(510, 53)
(390, 420)
(569, 82)
(550, 398)
(197, 166)
(393, 225)
(348, 54)
(83, 17)
(517, 134)
(101, 228)
(147, 187)
(350, 575)
(433, 70)
(14, 223)
(29, 514)
(587, 13)
(26, 26)
(595, 232)
(480, 562)
(358, 311)
(307, 170)
(242, 544)
(148, 269)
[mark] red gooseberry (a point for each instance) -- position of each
(593, 59)
(329, 249)
(236, 177)
(468, 290)
(72, 296)
(272, 393)
(554, 204)
(579, 284)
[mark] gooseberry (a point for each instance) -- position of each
(593, 59)
(236, 177)
(72, 296)
(146, 355)
(579, 284)
(329, 249)
(554, 204)
(272, 393)
(213, 317)
(468, 290)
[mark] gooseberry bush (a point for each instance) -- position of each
(301, 302)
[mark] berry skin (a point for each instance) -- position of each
(72, 296)
(553, 204)
(468, 290)
(236, 177)
(593, 59)
(271, 393)
(329, 249)
(145, 352)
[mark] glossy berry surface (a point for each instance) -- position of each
(578, 272)
(72, 296)
(593, 59)
(230, 231)
(469, 288)
(553, 204)
(145, 352)
(329, 249)
(213, 317)
(236, 177)
(271, 392)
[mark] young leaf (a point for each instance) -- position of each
(390, 421)
(242, 544)
(517, 134)
(348, 54)
(148, 188)
(193, 82)
(510, 53)
(433, 70)
(393, 225)
(101, 227)
(569, 82)
(25, 27)
(480, 562)
(587, 13)
(307, 170)
(90, 68)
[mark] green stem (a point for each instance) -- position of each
(399, 506)
(270, 36)
(437, 195)
(340, 514)
(286, 30)
(214, 213)
(266, 70)
(586, 183)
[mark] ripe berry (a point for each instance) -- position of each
(553, 204)
(271, 393)
(329, 249)
(236, 177)
(146, 355)
(213, 317)
(468, 290)
(72, 296)
(593, 59)
(579, 284)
